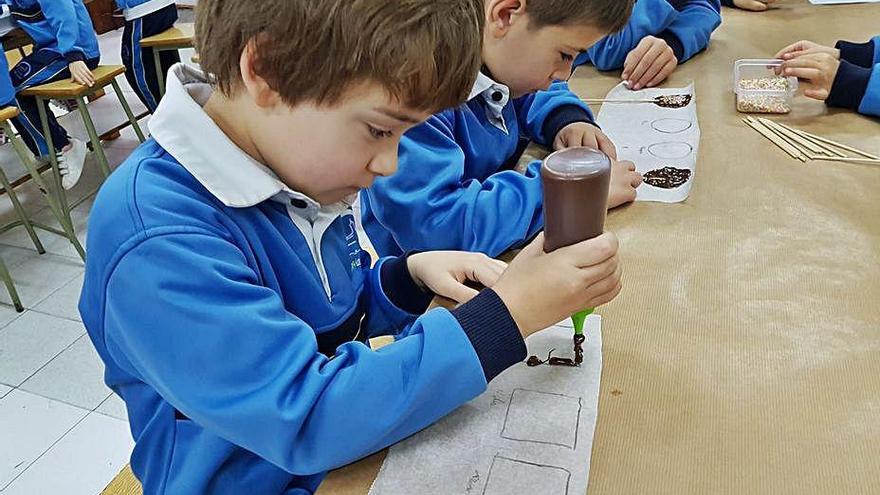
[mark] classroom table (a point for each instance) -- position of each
(744, 354)
(176, 38)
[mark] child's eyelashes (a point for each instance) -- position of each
(566, 57)
(377, 133)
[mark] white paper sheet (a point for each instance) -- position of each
(840, 2)
(531, 432)
(654, 137)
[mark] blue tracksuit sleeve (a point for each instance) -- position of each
(649, 17)
(443, 210)
(870, 104)
(222, 349)
(61, 15)
(692, 28)
(543, 114)
(394, 299)
(686, 25)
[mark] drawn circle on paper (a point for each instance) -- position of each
(671, 126)
(672, 150)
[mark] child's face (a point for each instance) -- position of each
(529, 60)
(331, 152)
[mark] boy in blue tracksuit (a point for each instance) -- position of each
(65, 46)
(846, 76)
(225, 288)
(144, 18)
(457, 188)
(660, 35)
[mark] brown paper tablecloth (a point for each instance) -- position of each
(744, 353)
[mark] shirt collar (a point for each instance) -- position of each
(495, 95)
(181, 126)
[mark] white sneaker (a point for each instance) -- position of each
(70, 163)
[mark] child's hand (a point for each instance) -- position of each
(805, 47)
(754, 5)
(817, 69)
(624, 181)
(541, 289)
(80, 73)
(444, 272)
(649, 64)
(584, 134)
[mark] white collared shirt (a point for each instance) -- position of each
(496, 97)
(181, 126)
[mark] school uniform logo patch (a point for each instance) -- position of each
(22, 70)
(354, 247)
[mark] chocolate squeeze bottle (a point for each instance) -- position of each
(576, 182)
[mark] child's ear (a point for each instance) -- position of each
(502, 14)
(257, 88)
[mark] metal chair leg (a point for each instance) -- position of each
(4, 181)
(10, 286)
(131, 118)
(157, 59)
(93, 137)
(56, 197)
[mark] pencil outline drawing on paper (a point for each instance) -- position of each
(519, 467)
(526, 413)
(673, 150)
(670, 125)
(548, 415)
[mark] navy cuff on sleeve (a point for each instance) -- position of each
(728, 3)
(861, 54)
(493, 333)
(400, 287)
(75, 56)
(849, 86)
(561, 117)
(672, 40)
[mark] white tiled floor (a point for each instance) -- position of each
(61, 428)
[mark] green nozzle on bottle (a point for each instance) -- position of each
(579, 319)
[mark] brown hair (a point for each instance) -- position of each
(425, 53)
(608, 15)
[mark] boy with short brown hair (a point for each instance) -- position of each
(457, 188)
(225, 288)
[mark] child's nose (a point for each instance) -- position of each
(385, 163)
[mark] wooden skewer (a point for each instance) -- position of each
(804, 154)
(793, 136)
(827, 149)
(796, 152)
(866, 161)
(841, 146)
(602, 100)
(775, 139)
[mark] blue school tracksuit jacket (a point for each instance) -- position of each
(456, 188)
(231, 313)
(686, 25)
(7, 92)
(60, 26)
(857, 84)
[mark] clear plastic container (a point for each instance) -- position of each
(759, 89)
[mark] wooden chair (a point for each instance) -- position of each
(105, 75)
(7, 113)
(179, 36)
